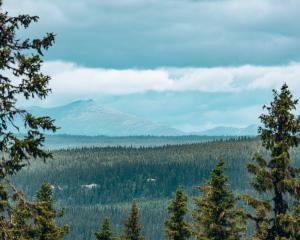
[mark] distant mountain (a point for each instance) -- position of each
(85, 117)
(251, 130)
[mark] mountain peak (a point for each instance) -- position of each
(251, 130)
(86, 117)
(82, 101)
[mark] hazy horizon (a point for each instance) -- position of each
(193, 65)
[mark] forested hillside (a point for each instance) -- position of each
(91, 183)
(134, 186)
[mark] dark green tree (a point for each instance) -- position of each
(105, 231)
(132, 227)
(20, 77)
(216, 216)
(276, 180)
(45, 226)
(21, 214)
(176, 227)
(296, 215)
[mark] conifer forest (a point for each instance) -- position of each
(188, 186)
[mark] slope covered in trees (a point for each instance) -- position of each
(92, 183)
(132, 186)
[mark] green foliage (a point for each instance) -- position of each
(35, 220)
(20, 77)
(105, 231)
(20, 225)
(22, 60)
(154, 172)
(125, 173)
(176, 227)
(277, 180)
(121, 174)
(132, 227)
(296, 225)
(216, 216)
(45, 226)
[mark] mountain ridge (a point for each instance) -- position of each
(85, 117)
(251, 130)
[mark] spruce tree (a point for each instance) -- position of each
(176, 227)
(216, 216)
(20, 77)
(132, 227)
(45, 226)
(105, 231)
(274, 178)
(21, 215)
(296, 215)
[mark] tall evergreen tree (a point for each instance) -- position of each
(296, 227)
(21, 76)
(176, 227)
(45, 226)
(105, 231)
(132, 227)
(216, 216)
(275, 179)
(21, 214)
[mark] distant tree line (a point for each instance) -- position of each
(274, 209)
(276, 181)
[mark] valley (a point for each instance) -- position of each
(94, 182)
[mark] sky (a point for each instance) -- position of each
(193, 64)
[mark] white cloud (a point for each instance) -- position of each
(276, 76)
(71, 79)
(239, 107)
